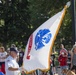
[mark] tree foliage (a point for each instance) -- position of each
(16, 17)
(19, 18)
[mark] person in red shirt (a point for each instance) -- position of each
(63, 61)
(63, 58)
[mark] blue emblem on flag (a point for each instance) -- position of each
(42, 38)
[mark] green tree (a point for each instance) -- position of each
(16, 17)
(19, 18)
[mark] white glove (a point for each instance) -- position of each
(21, 69)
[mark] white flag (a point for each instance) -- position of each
(38, 49)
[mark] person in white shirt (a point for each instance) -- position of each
(11, 65)
(3, 55)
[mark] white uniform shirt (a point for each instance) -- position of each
(2, 55)
(11, 62)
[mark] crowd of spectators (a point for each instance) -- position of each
(66, 59)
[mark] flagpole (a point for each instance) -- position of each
(74, 20)
(65, 8)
